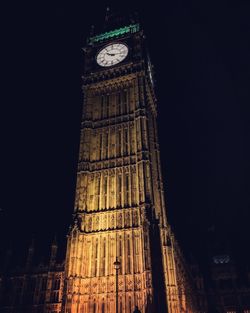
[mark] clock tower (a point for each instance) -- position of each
(120, 249)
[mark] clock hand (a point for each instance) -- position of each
(111, 54)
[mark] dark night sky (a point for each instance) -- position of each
(200, 50)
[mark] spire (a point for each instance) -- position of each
(92, 30)
(107, 18)
(54, 241)
(107, 14)
(114, 19)
(30, 254)
(53, 252)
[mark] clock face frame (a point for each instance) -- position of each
(112, 54)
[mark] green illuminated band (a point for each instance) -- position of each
(115, 33)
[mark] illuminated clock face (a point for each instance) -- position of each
(112, 54)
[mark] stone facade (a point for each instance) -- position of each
(32, 288)
(119, 205)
